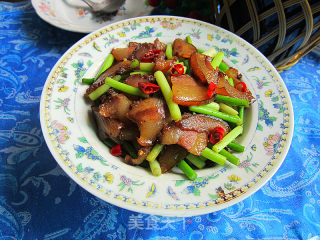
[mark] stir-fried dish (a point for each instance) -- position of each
(164, 105)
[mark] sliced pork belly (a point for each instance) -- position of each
(194, 142)
(182, 48)
(189, 92)
(118, 68)
(202, 68)
(201, 123)
(115, 106)
(150, 116)
(142, 155)
(170, 157)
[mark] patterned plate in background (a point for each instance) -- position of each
(70, 135)
(69, 15)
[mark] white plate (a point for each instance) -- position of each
(71, 138)
(74, 16)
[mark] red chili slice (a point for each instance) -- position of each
(148, 88)
(177, 70)
(156, 52)
(243, 87)
(150, 55)
(116, 150)
(211, 89)
(216, 135)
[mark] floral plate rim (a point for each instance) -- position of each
(172, 209)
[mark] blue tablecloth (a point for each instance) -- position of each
(38, 201)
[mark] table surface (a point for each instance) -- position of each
(38, 200)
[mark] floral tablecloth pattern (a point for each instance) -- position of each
(38, 200)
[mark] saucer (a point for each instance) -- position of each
(74, 16)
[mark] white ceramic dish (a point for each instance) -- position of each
(71, 138)
(72, 15)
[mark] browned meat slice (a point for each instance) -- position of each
(150, 116)
(202, 68)
(140, 50)
(118, 68)
(234, 74)
(191, 132)
(133, 80)
(182, 48)
(170, 134)
(150, 78)
(187, 91)
(194, 142)
(130, 132)
(159, 45)
(171, 156)
(133, 44)
(107, 127)
(224, 88)
(122, 53)
(164, 65)
(116, 106)
(114, 128)
(142, 155)
(201, 123)
(110, 92)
